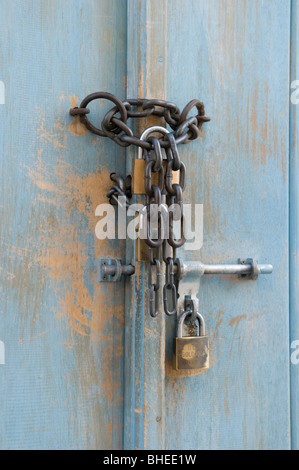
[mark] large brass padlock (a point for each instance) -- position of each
(191, 352)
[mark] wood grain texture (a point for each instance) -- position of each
(234, 56)
(135, 289)
(145, 350)
(294, 227)
(67, 383)
(62, 385)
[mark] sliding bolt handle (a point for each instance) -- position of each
(246, 269)
(111, 270)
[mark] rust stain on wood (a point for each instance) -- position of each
(235, 322)
(76, 127)
(64, 254)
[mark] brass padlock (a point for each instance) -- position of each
(138, 183)
(191, 352)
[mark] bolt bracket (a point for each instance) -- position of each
(112, 269)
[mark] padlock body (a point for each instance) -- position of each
(192, 353)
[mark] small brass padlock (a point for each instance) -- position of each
(191, 352)
(138, 183)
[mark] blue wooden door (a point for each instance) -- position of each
(62, 383)
(234, 56)
(85, 365)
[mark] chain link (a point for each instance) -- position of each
(185, 128)
(154, 287)
(114, 125)
(121, 187)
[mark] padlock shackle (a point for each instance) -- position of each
(181, 321)
(147, 132)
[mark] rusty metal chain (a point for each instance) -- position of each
(154, 287)
(185, 128)
(114, 125)
(174, 203)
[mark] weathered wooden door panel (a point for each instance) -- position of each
(294, 228)
(234, 56)
(61, 386)
(67, 382)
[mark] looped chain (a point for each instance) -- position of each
(114, 125)
(172, 152)
(121, 187)
(169, 289)
(185, 127)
